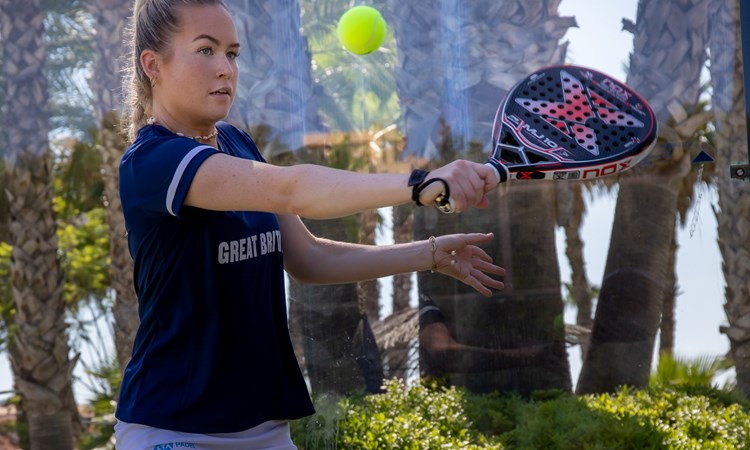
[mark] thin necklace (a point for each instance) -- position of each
(153, 121)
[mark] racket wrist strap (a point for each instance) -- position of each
(416, 179)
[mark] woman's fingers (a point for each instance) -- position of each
(469, 182)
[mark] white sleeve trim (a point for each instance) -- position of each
(179, 172)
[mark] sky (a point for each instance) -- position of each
(699, 305)
(701, 282)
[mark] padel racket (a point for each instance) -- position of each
(568, 123)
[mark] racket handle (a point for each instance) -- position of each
(500, 170)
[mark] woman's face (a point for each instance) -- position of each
(197, 77)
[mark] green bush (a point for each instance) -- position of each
(687, 421)
(417, 417)
(433, 417)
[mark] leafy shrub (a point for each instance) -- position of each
(686, 421)
(431, 417)
(417, 417)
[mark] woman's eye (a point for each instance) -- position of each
(233, 55)
(205, 51)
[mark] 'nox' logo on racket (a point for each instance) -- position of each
(582, 113)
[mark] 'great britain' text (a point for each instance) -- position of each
(249, 247)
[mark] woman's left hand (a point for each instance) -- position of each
(458, 256)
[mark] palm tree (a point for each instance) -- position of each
(732, 213)
(281, 107)
(668, 56)
(40, 360)
(109, 27)
(507, 41)
(277, 90)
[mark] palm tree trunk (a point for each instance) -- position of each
(733, 212)
(418, 39)
(668, 56)
(328, 324)
(277, 92)
(105, 82)
(523, 36)
(40, 361)
(280, 107)
(629, 309)
(669, 303)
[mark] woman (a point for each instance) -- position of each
(208, 222)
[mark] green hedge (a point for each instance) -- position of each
(428, 416)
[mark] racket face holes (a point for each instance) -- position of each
(575, 112)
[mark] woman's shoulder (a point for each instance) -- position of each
(233, 131)
(239, 141)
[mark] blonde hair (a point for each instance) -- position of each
(151, 28)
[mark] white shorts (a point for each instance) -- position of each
(271, 435)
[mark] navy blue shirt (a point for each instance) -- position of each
(212, 353)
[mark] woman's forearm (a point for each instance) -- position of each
(225, 183)
(309, 259)
(337, 262)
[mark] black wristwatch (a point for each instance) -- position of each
(415, 180)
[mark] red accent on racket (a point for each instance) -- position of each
(568, 123)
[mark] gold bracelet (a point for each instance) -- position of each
(433, 247)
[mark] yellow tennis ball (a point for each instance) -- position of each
(361, 29)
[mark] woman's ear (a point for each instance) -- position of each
(150, 64)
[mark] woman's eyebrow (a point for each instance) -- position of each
(214, 40)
